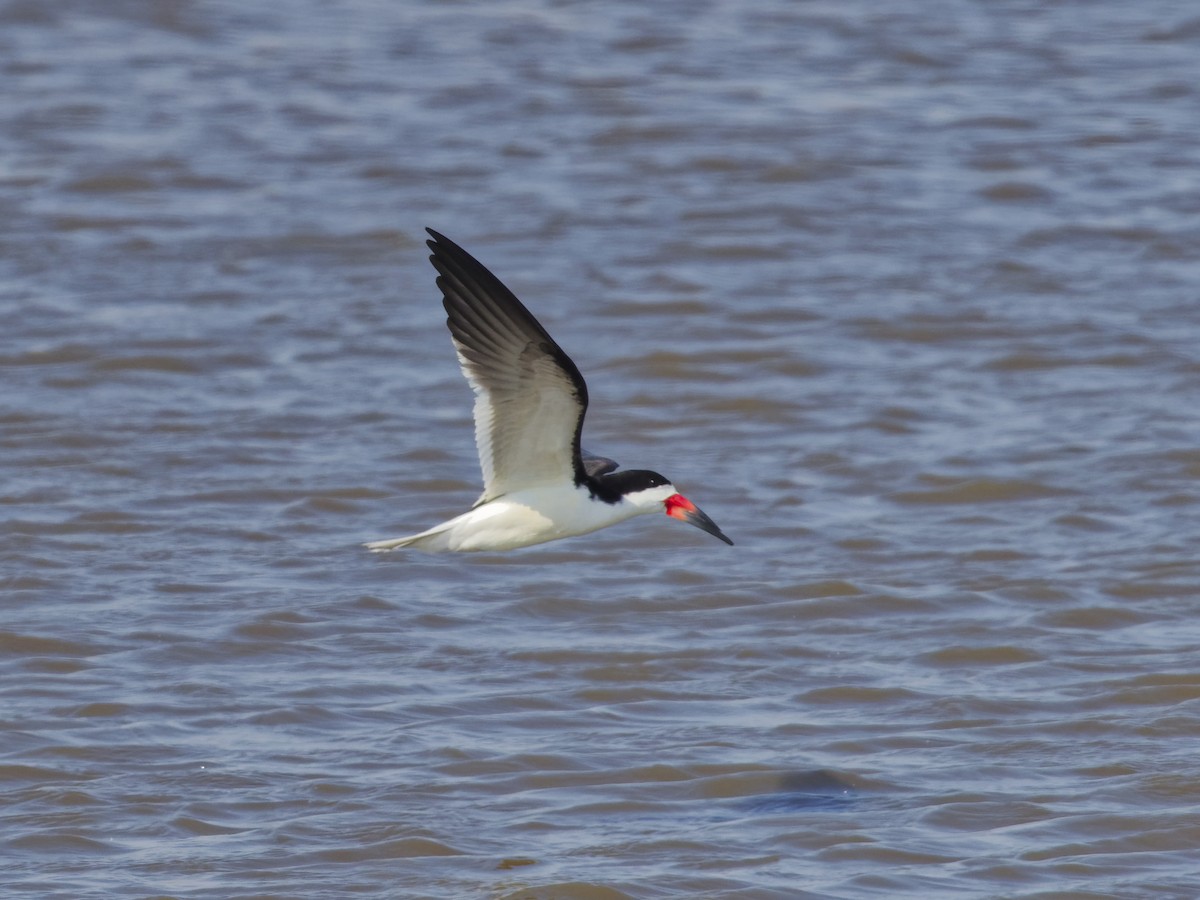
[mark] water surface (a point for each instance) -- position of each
(904, 296)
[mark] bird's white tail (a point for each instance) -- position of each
(431, 541)
(384, 546)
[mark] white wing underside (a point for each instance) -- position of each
(525, 417)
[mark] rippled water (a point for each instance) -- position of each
(904, 295)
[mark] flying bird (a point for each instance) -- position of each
(539, 484)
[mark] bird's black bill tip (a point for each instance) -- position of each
(680, 507)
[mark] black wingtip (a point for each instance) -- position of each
(442, 247)
(438, 238)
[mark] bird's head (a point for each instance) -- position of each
(650, 492)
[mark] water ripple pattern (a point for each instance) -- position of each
(903, 294)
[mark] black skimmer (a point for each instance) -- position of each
(538, 483)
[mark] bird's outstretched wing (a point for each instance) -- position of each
(529, 396)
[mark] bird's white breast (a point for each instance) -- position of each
(534, 516)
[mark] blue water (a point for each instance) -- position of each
(903, 295)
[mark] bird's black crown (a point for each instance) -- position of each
(612, 487)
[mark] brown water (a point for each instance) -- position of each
(905, 295)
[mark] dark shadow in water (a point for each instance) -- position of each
(819, 789)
